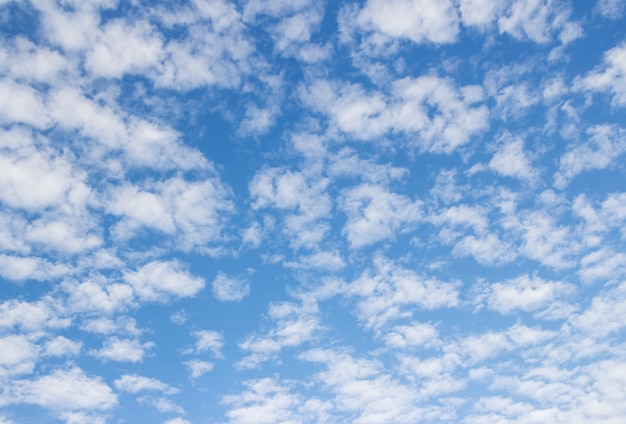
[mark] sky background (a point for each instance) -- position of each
(390, 211)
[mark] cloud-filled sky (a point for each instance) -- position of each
(298, 211)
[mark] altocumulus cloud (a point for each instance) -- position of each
(360, 211)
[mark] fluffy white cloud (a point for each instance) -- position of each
(480, 13)
(208, 340)
(159, 281)
(510, 160)
(375, 214)
(64, 390)
(603, 144)
(419, 21)
(294, 324)
(17, 355)
(435, 114)
(122, 350)
(611, 76)
(304, 201)
(390, 292)
(265, 401)
(229, 288)
(62, 346)
(198, 368)
(124, 47)
(525, 293)
(133, 383)
(538, 20)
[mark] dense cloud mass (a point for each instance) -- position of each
(254, 211)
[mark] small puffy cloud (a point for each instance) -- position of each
(390, 292)
(177, 421)
(122, 350)
(612, 9)
(606, 315)
(419, 21)
(132, 383)
(124, 47)
(525, 293)
(510, 160)
(602, 146)
(487, 249)
(64, 390)
(98, 295)
(208, 340)
(227, 288)
(160, 280)
(539, 21)
(610, 77)
(21, 104)
(324, 261)
(302, 199)
(433, 113)
(62, 346)
(415, 334)
(17, 355)
(264, 401)
(198, 368)
(27, 316)
(480, 13)
(376, 214)
(19, 268)
(293, 325)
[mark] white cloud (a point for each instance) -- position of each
(606, 314)
(122, 350)
(161, 404)
(375, 214)
(159, 281)
(304, 201)
(486, 249)
(612, 9)
(64, 390)
(208, 340)
(324, 261)
(610, 77)
(230, 288)
(362, 389)
(29, 62)
(419, 21)
(17, 268)
(431, 111)
(177, 421)
(602, 264)
(124, 47)
(480, 13)
(98, 295)
(198, 368)
(133, 383)
(17, 355)
(525, 293)
(511, 160)
(62, 346)
(36, 177)
(264, 402)
(295, 324)
(194, 212)
(602, 146)
(415, 334)
(390, 292)
(538, 20)
(21, 103)
(30, 316)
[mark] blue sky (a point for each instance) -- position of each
(400, 211)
